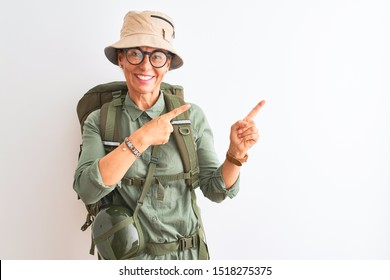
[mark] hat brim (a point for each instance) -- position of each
(140, 40)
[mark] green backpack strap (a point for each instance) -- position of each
(182, 132)
(110, 120)
(172, 89)
(108, 117)
(203, 250)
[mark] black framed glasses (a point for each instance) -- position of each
(157, 58)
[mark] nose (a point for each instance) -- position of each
(145, 63)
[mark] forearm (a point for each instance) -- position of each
(230, 173)
(115, 164)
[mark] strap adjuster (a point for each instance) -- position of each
(140, 203)
(154, 159)
(187, 242)
(195, 171)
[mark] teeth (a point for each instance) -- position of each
(144, 78)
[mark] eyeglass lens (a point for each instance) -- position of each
(157, 58)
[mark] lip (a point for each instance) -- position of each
(144, 78)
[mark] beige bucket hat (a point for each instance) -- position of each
(147, 28)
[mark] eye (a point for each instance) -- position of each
(158, 56)
(134, 53)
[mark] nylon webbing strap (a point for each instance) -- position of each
(163, 179)
(203, 251)
(92, 249)
(110, 123)
(110, 116)
(184, 139)
(184, 243)
(148, 182)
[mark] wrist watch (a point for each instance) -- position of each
(236, 161)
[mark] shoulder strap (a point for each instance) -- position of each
(110, 119)
(172, 89)
(183, 135)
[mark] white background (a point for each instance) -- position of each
(317, 184)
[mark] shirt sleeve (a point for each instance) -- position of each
(88, 182)
(211, 181)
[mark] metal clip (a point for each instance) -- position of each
(184, 131)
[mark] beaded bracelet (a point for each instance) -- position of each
(132, 148)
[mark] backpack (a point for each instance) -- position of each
(109, 98)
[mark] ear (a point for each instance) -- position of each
(120, 58)
(169, 63)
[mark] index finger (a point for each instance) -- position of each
(254, 111)
(177, 111)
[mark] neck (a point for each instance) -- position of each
(144, 101)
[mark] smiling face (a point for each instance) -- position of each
(143, 80)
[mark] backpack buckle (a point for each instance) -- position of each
(193, 180)
(187, 243)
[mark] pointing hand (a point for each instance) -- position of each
(158, 130)
(244, 133)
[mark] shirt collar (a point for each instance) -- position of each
(156, 110)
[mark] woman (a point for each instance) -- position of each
(145, 53)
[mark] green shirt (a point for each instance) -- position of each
(167, 213)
